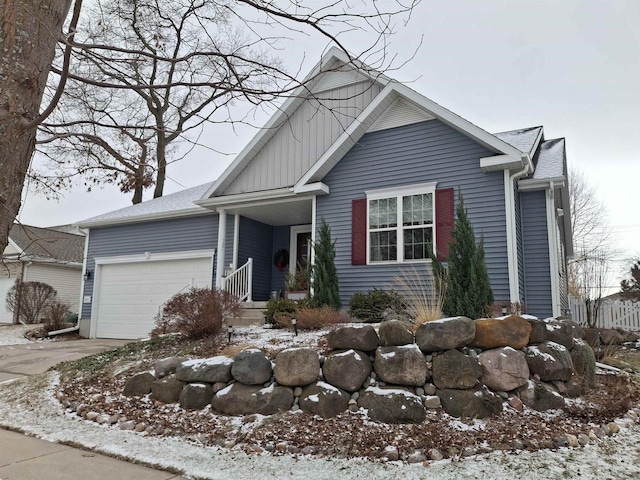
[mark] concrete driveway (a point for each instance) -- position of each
(17, 361)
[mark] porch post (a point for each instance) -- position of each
(312, 250)
(236, 238)
(220, 253)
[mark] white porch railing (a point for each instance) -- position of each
(611, 314)
(238, 283)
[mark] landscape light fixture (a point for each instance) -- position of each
(294, 322)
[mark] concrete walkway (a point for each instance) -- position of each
(27, 458)
(17, 361)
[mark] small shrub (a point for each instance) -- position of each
(197, 313)
(29, 300)
(310, 318)
(282, 306)
(369, 306)
(55, 315)
(298, 281)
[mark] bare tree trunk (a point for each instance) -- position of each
(161, 154)
(139, 184)
(28, 35)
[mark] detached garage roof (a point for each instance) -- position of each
(37, 243)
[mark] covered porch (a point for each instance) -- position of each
(250, 234)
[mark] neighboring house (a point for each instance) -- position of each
(362, 151)
(42, 255)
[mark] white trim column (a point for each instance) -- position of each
(512, 248)
(222, 233)
(236, 241)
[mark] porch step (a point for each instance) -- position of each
(252, 314)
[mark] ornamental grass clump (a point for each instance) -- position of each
(423, 293)
(197, 313)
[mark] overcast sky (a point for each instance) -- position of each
(571, 66)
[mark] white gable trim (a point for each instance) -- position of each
(385, 98)
(299, 95)
(15, 245)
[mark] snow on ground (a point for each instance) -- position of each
(14, 334)
(29, 406)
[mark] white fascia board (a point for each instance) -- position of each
(15, 245)
(385, 98)
(155, 257)
(242, 198)
(299, 95)
(189, 212)
(531, 184)
(501, 162)
(349, 137)
(51, 261)
(317, 188)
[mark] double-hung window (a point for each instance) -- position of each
(401, 224)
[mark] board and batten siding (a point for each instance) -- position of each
(174, 235)
(412, 154)
(535, 242)
(64, 279)
(256, 241)
(303, 138)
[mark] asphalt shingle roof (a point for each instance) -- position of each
(523, 139)
(551, 159)
(47, 244)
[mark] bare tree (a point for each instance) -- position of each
(591, 275)
(591, 237)
(170, 68)
(29, 32)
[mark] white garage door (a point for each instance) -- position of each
(130, 294)
(5, 315)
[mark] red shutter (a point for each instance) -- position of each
(444, 222)
(359, 232)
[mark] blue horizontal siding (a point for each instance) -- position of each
(180, 234)
(535, 243)
(412, 154)
(256, 241)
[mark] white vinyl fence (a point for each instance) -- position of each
(612, 314)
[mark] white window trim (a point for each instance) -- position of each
(399, 192)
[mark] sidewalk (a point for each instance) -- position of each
(27, 458)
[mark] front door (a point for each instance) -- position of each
(303, 249)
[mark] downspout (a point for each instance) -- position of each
(512, 238)
(553, 250)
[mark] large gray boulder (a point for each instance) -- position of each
(445, 334)
(296, 367)
(360, 337)
(403, 365)
(251, 367)
(454, 369)
(538, 331)
(559, 332)
(584, 363)
(469, 403)
(392, 405)
(239, 399)
(550, 361)
(167, 366)
(207, 370)
(504, 369)
(138, 385)
(540, 397)
(167, 389)
(395, 333)
(347, 370)
(323, 399)
(195, 396)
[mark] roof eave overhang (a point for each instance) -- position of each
(504, 162)
(188, 212)
(264, 196)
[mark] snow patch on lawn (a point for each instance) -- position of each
(14, 334)
(29, 406)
